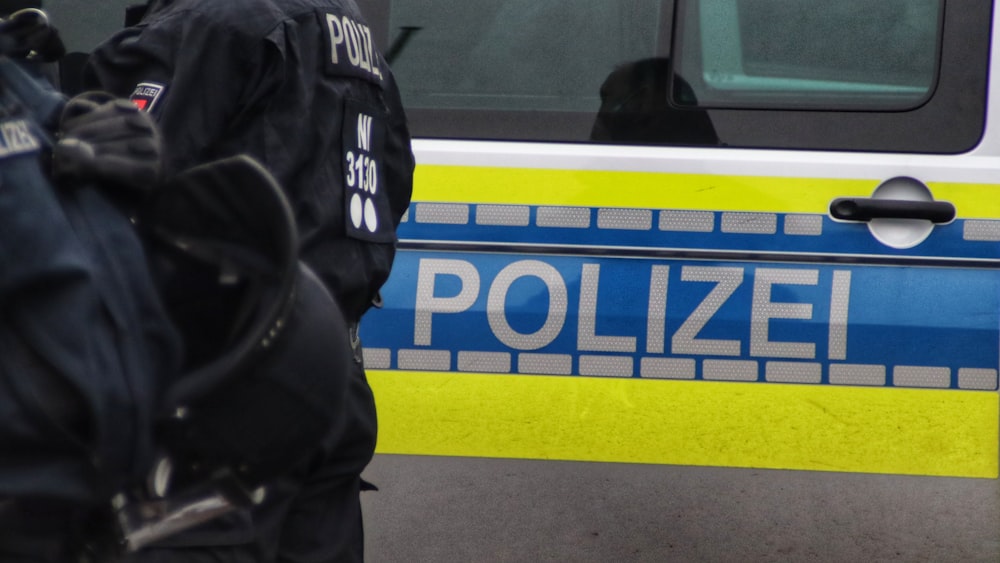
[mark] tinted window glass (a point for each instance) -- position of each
(518, 54)
(851, 54)
(899, 75)
(893, 75)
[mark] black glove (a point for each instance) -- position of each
(109, 141)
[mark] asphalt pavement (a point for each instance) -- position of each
(443, 510)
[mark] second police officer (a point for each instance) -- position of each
(300, 86)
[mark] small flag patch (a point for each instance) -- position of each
(146, 94)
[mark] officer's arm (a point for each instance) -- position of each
(107, 140)
(194, 77)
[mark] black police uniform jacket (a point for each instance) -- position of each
(297, 84)
(85, 345)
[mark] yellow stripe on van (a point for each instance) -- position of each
(774, 426)
(649, 190)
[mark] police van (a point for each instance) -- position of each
(753, 233)
(714, 233)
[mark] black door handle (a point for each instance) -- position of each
(866, 209)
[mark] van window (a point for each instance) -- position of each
(519, 54)
(517, 69)
(851, 54)
(887, 76)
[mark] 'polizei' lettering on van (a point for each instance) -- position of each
(16, 138)
(686, 340)
(351, 41)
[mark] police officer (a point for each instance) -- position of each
(84, 343)
(300, 86)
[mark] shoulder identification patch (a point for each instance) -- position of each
(17, 138)
(146, 94)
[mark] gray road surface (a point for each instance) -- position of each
(480, 510)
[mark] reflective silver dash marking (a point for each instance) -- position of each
(730, 370)
(988, 231)
(793, 372)
(749, 223)
(921, 376)
(606, 366)
(564, 217)
(484, 362)
(377, 358)
(977, 378)
(667, 368)
(687, 221)
(545, 364)
(503, 215)
(424, 360)
(804, 225)
(857, 374)
(840, 298)
(406, 216)
(625, 219)
(442, 213)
